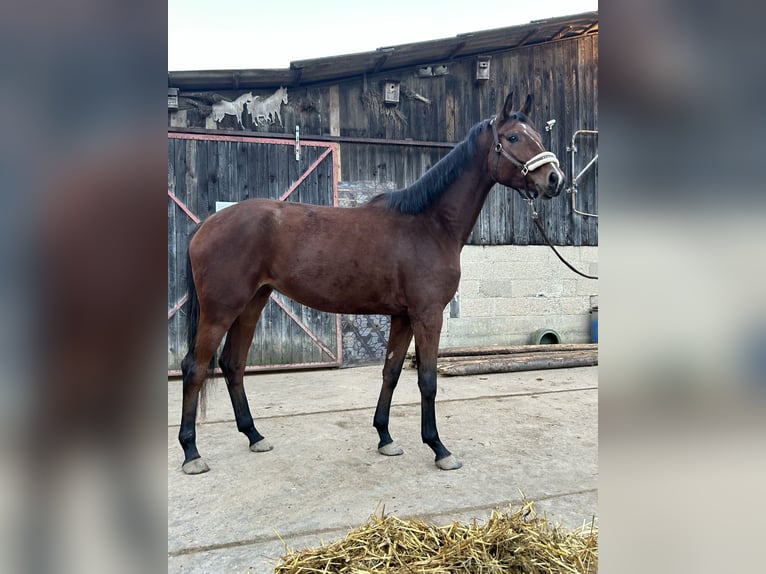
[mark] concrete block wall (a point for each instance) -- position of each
(508, 292)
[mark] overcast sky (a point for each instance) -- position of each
(242, 34)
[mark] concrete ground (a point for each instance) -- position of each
(530, 434)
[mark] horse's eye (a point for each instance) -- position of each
(513, 138)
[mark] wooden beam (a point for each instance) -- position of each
(515, 363)
(379, 63)
(334, 93)
(560, 33)
(525, 38)
(512, 349)
(459, 46)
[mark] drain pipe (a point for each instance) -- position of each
(572, 149)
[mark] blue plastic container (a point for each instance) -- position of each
(594, 324)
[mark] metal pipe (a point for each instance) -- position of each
(572, 149)
(583, 170)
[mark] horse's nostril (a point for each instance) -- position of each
(553, 179)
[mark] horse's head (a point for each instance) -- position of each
(246, 98)
(517, 157)
(282, 93)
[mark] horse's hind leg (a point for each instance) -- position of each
(398, 343)
(194, 367)
(232, 362)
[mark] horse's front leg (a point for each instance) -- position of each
(427, 330)
(398, 342)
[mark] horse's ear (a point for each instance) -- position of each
(507, 107)
(527, 107)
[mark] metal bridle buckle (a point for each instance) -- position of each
(538, 161)
(531, 202)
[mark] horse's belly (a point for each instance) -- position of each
(334, 291)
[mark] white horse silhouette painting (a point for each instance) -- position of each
(264, 111)
(227, 108)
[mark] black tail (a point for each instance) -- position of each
(192, 323)
(192, 317)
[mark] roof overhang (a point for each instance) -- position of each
(391, 58)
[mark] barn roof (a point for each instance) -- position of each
(391, 58)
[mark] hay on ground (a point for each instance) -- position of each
(509, 542)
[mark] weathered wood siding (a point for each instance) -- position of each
(201, 172)
(563, 78)
(441, 109)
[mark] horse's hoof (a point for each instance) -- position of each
(261, 446)
(391, 449)
(449, 463)
(196, 466)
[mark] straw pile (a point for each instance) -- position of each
(510, 542)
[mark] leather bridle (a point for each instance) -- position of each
(541, 159)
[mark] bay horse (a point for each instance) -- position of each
(397, 255)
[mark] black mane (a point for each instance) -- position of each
(417, 197)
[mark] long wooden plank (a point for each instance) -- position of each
(532, 362)
(521, 357)
(511, 349)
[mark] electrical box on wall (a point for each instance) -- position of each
(482, 68)
(172, 98)
(391, 91)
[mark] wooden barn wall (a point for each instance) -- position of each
(201, 172)
(562, 77)
(442, 107)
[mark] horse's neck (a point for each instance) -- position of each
(459, 206)
(239, 103)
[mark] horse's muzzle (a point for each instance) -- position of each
(553, 185)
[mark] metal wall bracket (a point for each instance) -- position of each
(575, 179)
